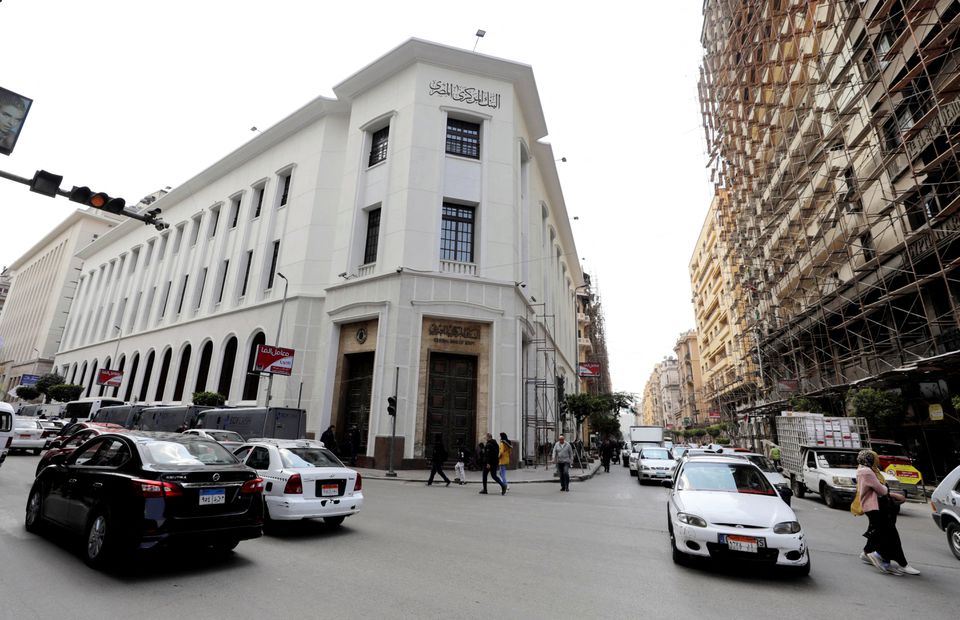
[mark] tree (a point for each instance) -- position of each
(212, 399)
(604, 424)
(803, 403)
(65, 392)
(47, 381)
(580, 406)
(883, 410)
(27, 392)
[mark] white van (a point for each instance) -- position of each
(83, 408)
(6, 430)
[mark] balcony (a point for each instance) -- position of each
(585, 343)
(583, 318)
(365, 270)
(463, 269)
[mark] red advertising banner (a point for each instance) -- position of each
(714, 415)
(589, 369)
(274, 360)
(109, 378)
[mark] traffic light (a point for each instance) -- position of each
(97, 200)
(391, 405)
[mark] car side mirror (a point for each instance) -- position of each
(55, 444)
(668, 483)
(780, 469)
(785, 494)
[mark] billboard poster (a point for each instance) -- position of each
(109, 378)
(29, 379)
(274, 360)
(13, 113)
(589, 369)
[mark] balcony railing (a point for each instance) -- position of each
(464, 269)
(365, 270)
(582, 317)
(584, 342)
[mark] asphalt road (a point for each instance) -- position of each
(599, 551)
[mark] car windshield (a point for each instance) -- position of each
(187, 453)
(889, 449)
(225, 436)
(21, 423)
(308, 457)
(838, 460)
(660, 455)
(728, 477)
(762, 462)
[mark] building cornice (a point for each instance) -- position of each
(77, 216)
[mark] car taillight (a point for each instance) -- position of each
(294, 485)
(359, 485)
(252, 486)
(156, 488)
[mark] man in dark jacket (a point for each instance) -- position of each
(329, 439)
(439, 456)
(491, 464)
(606, 453)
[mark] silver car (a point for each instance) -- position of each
(945, 502)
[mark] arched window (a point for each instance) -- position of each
(93, 376)
(133, 377)
(226, 369)
(182, 374)
(147, 370)
(123, 360)
(73, 373)
(203, 369)
(83, 372)
(252, 382)
(164, 371)
(106, 365)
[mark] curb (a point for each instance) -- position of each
(380, 475)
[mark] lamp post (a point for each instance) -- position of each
(283, 304)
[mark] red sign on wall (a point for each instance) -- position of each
(589, 369)
(274, 360)
(109, 378)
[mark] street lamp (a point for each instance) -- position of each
(283, 304)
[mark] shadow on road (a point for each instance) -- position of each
(306, 528)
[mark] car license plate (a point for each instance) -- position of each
(328, 490)
(747, 544)
(212, 496)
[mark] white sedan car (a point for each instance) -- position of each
(725, 508)
(303, 480)
(231, 440)
(27, 435)
(655, 464)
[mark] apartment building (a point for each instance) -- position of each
(693, 406)
(42, 286)
(412, 233)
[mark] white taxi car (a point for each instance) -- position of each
(654, 464)
(27, 435)
(303, 480)
(725, 508)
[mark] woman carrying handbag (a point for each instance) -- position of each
(874, 499)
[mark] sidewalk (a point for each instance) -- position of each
(514, 476)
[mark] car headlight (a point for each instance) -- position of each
(842, 481)
(690, 519)
(787, 527)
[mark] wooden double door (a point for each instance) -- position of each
(357, 390)
(451, 402)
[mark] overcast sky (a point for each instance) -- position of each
(130, 97)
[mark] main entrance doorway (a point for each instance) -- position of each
(452, 401)
(357, 387)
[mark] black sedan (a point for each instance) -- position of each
(139, 490)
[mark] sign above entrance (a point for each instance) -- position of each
(448, 333)
(589, 369)
(273, 360)
(465, 94)
(109, 378)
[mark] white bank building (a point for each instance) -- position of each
(419, 231)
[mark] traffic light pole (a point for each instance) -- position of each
(393, 433)
(48, 184)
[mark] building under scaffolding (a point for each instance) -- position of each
(833, 127)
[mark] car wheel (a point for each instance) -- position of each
(335, 521)
(828, 497)
(34, 517)
(679, 557)
(98, 542)
(37, 451)
(798, 489)
(953, 537)
(632, 473)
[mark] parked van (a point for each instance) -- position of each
(276, 422)
(170, 419)
(6, 430)
(29, 411)
(51, 410)
(127, 416)
(83, 408)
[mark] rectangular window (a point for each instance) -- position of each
(133, 312)
(866, 244)
(246, 273)
(215, 214)
(195, 232)
(258, 198)
(177, 238)
(456, 236)
(183, 293)
(223, 280)
(285, 188)
(234, 211)
(166, 298)
(273, 264)
(373, 236)
(463, 138)
(378, 146)
(163, 247)
(203, 282)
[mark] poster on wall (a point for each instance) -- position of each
(274, 360)
(109, 378)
